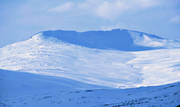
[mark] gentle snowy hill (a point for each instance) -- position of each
(20, 89)
(14, 83)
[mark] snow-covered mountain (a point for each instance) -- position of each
(91, 60)
(67, 54)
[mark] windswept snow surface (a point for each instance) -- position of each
(70, 61)
(20, 89)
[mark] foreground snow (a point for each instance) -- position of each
(20, 89)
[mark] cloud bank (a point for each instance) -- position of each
(106, 9)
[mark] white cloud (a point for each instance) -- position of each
(110, 10)
(175, 19)
(147, 3)
(106, 9)
(62, 8)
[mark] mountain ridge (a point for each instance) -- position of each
(115, 39)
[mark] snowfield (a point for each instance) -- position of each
(90, 69)
(19, 89)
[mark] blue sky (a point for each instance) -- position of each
(20, 19)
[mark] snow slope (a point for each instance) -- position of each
(20, 89)
(86, 69)
(110, 68)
